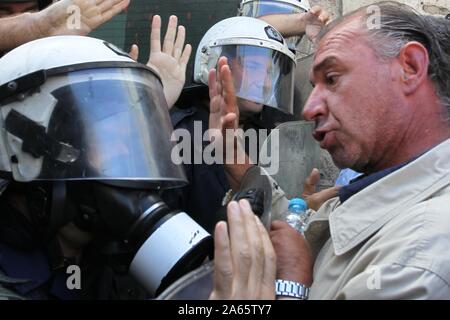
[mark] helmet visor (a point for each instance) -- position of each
(108, 124)
(257, 9)
(260, 75)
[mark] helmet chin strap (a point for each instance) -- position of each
(3, 185)
(47, 207)
(57, 210)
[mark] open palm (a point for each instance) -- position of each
(223, 109)
(79, 17)
(170, 61)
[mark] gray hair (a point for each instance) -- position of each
(400, 24)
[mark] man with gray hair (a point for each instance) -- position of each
(381, 107)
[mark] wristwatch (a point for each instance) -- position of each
(291, 289)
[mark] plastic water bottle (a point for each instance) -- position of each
(296, 214)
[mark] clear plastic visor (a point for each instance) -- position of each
(109, 124)
(261, 76)
(257, 9)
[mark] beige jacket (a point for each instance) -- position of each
(390, 240)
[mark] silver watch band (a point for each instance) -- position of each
(291, 289)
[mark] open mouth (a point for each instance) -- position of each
(319, 135)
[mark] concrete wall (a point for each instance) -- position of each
(338, 7)
(434, 7)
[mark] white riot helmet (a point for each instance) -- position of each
(89, 128)
(259, 8)
(262, 66)
(78, 108)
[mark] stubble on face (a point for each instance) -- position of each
(358, 122)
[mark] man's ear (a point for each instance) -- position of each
(414, 61)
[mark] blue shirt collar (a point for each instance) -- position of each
(365, 180)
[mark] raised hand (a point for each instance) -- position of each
(297, 24)
(315, 20)
(316, 199)
(223, 115)
(223, 108)
(171, 60)
(244, 260)
(77, 17)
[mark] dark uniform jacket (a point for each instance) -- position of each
(202, 198)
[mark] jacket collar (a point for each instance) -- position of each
(366, 212)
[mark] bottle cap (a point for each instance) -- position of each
(298, 202)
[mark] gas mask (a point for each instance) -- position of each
(256, 188)
(131, 226)
(88, 130)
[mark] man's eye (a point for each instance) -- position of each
(331, 79)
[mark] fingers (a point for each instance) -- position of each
(169, 38)
(173, 40)
(111, 8)
(311, 182)
(314, 177)
(315, 10)
(293, 256)
(155, 35)
(321, 15)
(222, 96)
(222, 62)
(324, 17)
(186, 55)
(214, 107)
(221, 86)
(261, 277)
(329, 193)
(256, 244)
(229, 121)
(212, 84)
(245, 262)
(279, 225)
(223, 268)
(316, 200)
(179, 42)
(240, 248)
(106, 5)
(134, 52)
(270, 264)
(228, 89)
(252, 251)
